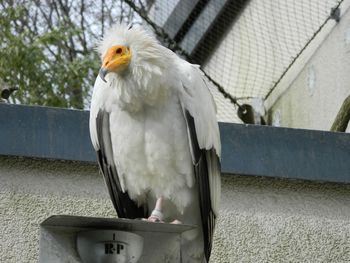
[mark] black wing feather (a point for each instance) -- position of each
(125, 207)
(202, 179)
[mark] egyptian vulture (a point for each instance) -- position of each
(153, 125)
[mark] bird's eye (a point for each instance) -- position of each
(118, 51)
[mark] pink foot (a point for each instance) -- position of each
(157, 215)
(176, 222)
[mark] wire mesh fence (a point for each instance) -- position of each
(244, 47)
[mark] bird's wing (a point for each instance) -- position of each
(100, 134)
(203, 133)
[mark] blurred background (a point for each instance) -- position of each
(251, 51)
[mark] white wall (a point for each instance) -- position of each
(32, 190)
(262, 220)
(313, 98)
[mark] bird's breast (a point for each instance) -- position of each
(152, 152)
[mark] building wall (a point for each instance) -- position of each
(262, 220)
(31, 190)
(313, 99)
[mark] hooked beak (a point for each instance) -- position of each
(102, 73)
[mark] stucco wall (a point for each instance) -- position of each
(262, 220)
(313, 98)
(32, 190)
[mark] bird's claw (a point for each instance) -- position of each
(176, 222)
(157, 215)
(154, 219)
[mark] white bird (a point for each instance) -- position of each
(153, 125)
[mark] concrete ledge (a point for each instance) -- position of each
(55, 133)
(45, 132)
(284, 152)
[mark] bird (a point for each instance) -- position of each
(153, 126)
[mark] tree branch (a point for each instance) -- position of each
(82, 25)
(343, 117)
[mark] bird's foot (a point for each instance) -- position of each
(155, 219)
(176, 222)
(157, 215)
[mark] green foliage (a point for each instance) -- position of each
(47, 47)
(44, 66)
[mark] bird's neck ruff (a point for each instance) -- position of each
(140, 86)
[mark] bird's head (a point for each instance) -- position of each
(116, 59)
(125, 49)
